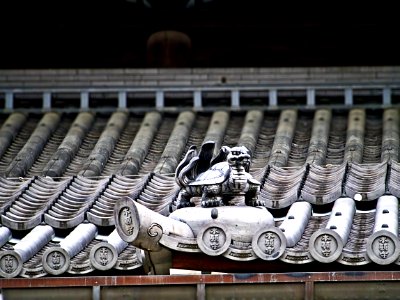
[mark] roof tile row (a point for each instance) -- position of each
(63, 171)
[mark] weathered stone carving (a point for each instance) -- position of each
(216, 180)
(227, 230)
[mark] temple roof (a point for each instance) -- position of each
(62, 172)
(325, 151)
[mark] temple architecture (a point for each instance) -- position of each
(199, 159)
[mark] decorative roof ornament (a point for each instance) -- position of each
(217, 181)
(227, 230)
(224, 231)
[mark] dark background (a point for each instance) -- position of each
(223, 33)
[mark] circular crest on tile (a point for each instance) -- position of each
(10, 264)
(269, 243)
(383, 247)
(103, 256)
(55, 260)
(325, 245)
(126, 220)
(214, 239)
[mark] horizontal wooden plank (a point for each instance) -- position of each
(244, 278)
